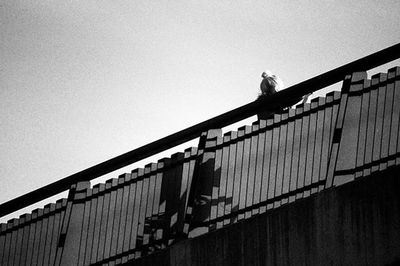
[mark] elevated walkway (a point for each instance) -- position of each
(301, 165)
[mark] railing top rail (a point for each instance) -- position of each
(277, 100)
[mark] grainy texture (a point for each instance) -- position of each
(354, 224)
(271, 170)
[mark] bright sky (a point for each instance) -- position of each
(84, 81)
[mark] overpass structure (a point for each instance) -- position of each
(312, 185)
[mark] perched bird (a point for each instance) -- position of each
(270, 84)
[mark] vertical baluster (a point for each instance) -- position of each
(230, 176)
(193, 156)
(288, 155)
(311, 147)
(123, 228)
(376, 153)
(85, 229)
(238, 174)
(98, 222)
(110, 217)
(3, 234)
(21, 253)
(13, 231)
(363, 129)
(397, 88)
(3, 228)
(216, 181)
(158, 212)
(386, 124)
(163, 165)
(316, 174)
(49, 236)
(60, 206)
(259, 165)
(244, 170)
(136, 189)
(144, 187)
(373, 98)
(38, 232)
(183, 194)
(119, 187)
(326, 138)
(130, 226)
(64, 216)
(222, 194)
(18, 240)
(274, 161)
(266, 165)
(7, 244)
(394, 143)
(43, 234)
(303, 151)
(297, 136)
(148, 233)
(177, 160)
(104, 221)
(281, 158)
(252, 168)
(90, 210)
(14, 235)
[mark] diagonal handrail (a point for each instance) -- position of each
(279, 99)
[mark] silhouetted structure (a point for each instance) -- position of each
(313, 185)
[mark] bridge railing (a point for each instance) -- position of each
(276, 101)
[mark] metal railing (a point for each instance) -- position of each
(278, 100)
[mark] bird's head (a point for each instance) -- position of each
(266, 74)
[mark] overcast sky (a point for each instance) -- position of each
(84, 81)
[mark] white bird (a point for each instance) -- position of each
(270, 83)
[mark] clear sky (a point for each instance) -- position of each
(84, 81)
